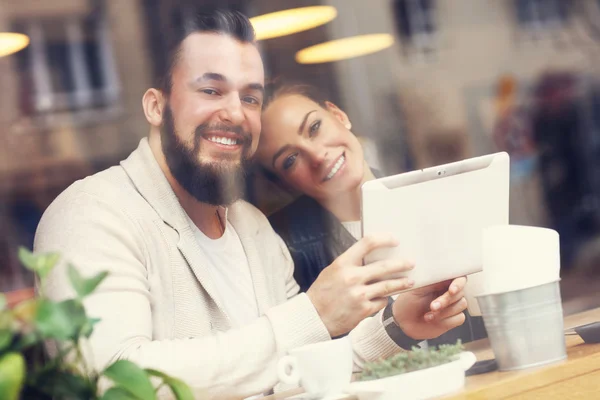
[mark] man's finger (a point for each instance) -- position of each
(383, 269)
(378, 304)
(388, 287)
(355, 254)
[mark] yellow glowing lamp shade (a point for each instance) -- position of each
(12, 42)
(286, 22)
(342, 49)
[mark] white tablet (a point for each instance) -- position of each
(438, 215)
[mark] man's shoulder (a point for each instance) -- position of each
(87, 211)
(111, 185)
(110, 189)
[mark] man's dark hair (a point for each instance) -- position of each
(190, 19)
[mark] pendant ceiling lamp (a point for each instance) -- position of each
(287, 22)
(11, 42)
(342, 49)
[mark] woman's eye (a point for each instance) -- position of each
(314, 128)
(289, 161)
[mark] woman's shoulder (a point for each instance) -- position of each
(303, 214)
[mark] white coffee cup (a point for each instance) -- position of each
(322, 369)
(519, 257)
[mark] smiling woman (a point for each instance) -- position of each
(307, 146)
(314, 150)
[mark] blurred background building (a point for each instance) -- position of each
(442, 81)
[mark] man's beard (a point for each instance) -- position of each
(216, 183)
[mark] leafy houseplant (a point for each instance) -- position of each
(26, 372)
(410, 361)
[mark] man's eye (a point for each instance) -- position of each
(289, 161)
(210, 92)
(251, 100)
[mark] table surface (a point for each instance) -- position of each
(577, 377)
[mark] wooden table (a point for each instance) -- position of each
(577, 377)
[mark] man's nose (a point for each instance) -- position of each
(232, 111)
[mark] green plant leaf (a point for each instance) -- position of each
(83, 286)
(118, 393)
(26, 310)
(27, 340)
(6, 319)
(131, 378)
(60, 384)
(6, 338)
(179, 388)
(414, 360)
(12, 375)
(53, 322)
(62, 320)
(88, 327)
(41, 264)
(27, 258)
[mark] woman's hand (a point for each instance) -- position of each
(430, 311)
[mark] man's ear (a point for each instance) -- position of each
(339, 114)
(153, 103)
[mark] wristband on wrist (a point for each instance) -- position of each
(394, 331)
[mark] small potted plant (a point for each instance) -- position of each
(26, 372)
(417, 374)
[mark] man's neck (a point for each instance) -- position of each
(204, 216)
(346, 206)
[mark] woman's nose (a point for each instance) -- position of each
(317, 156)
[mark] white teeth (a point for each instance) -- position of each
(336, 167)
(222, 140)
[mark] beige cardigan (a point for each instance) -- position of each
(158, 305)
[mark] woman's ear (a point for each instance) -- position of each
(153, 103)
(339, 114)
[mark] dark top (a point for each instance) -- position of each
(315, 238)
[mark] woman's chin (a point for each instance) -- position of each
(345, 186)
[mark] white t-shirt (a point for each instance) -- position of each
(229, 270)
(354, 227)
